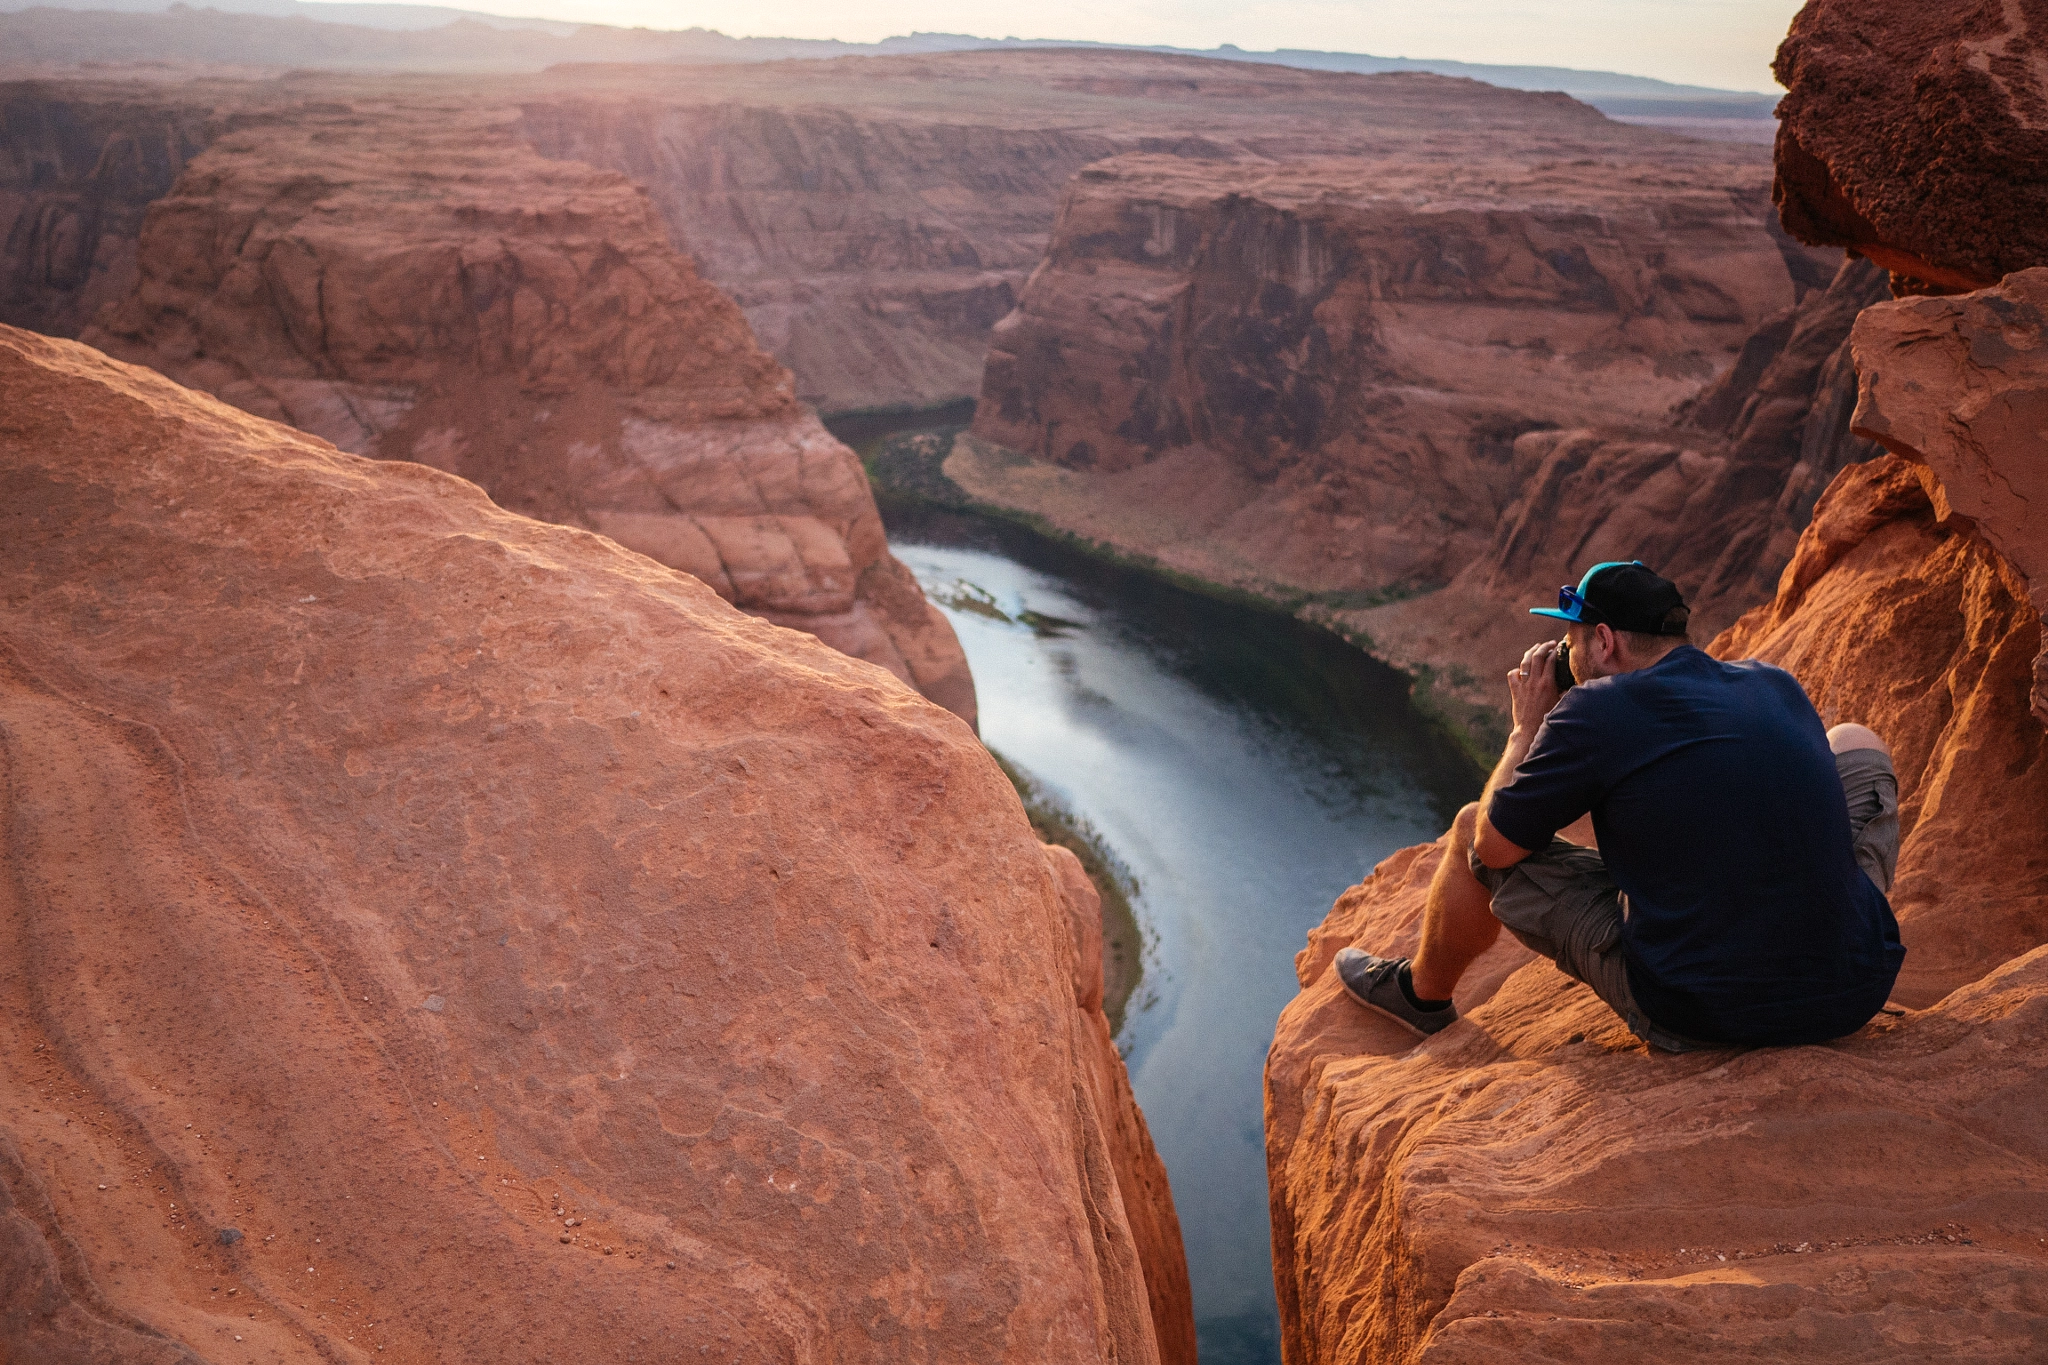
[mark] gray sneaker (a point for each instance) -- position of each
(1375, 982)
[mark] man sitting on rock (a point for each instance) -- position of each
(1735, 897)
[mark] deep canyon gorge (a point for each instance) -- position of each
(450, 916)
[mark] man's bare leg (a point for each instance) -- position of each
(1843, 738)
(1457, 920)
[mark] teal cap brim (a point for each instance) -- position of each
(1553, 611)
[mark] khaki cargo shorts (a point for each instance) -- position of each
(1561, 903)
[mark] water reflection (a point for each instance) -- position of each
(1246, 769)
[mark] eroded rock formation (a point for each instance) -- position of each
(1394, 396)
(416, 283)
(1917, 135)
(872, 250)
(1533, 1180)
(1962, 389)
(877, 216)
(1715, 499)
(79, 164)
(434, 932)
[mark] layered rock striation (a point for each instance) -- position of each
(871, 252)
(416, 283)
(877, 216)
(434, 932)
(79, 164)
(1532, 1180)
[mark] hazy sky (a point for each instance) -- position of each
(1725, 43)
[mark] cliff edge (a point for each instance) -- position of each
(1533, 1181)
(432, 934)
(412, 281)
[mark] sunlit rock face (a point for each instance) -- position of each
(1531, 1180)
(418, 284)
(435, 933)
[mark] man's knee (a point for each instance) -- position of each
(1844, 738)
(1465, 829)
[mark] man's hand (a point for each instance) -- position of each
(1532, 690)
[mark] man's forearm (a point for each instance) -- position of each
(1494, 848)
(1531, 696)
(1511, 756)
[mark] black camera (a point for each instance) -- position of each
(1561, 666)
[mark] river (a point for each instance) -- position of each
(1244, 769)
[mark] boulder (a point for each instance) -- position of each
(1917, 135)
(1960, 387)
(419, 284)
(435, 934)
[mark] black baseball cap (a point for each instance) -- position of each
(1625, 595)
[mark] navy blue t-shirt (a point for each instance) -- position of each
(1720, 815)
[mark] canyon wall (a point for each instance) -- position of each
(79, 163)
(1715, 499)
(872, 254)
(416, 283)
(877, 216)
(436, 934)
(1395, 396)
(1533, 1181)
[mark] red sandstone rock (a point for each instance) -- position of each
(874, 216)
(79, 163)
(877, 216)
(415, 283)
(529, 956)
(1533, 1180)
(1961, 386)
(1140, 1175)
(1917, 135)
(1532, 1185)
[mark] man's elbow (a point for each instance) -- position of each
(1495, 849)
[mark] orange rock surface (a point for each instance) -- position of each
(432, 934)
(1533, 1181)
(1959, 387)
(417, 283)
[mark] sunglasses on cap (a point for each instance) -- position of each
(1571, 601)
